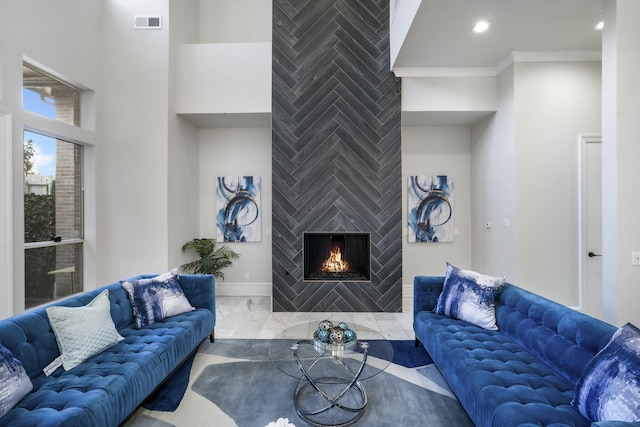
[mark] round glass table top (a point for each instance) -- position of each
(296, 346)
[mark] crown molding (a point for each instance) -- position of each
(513, 57)
(444, 72)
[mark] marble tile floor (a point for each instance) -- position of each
(251, 318)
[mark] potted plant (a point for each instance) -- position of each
(213, 258)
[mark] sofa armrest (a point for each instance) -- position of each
(426, 290)
(200, 290)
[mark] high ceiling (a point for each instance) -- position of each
(441, 35)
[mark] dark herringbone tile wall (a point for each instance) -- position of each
(336, 149)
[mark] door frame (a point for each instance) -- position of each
(583, 140)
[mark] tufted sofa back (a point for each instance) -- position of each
(30, 338)
(561, 337)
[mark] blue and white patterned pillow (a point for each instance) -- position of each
(83, 332)
(609, 388)
(156, 298)
(14, 381)
(469, 296)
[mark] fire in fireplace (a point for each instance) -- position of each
(337, 257)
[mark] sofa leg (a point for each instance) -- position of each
(212, 335)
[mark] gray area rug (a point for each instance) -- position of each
(232, 383)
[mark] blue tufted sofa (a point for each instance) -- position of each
(105, 389)
(525, 373)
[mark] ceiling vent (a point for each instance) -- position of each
(147, 22)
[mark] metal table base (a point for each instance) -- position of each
(336, 402)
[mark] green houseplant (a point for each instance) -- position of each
(213, 258)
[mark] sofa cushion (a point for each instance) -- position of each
(156, 298)
(82, 332)
(498, 383)
(14, 381)
(106, 388)
(469, 296)
(609, 388)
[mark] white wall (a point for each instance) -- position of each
(183, 147)
(437, 150)
(620, 152)
(493, 186)
(238, 152)
(72, 51)
(555, 103)
(134, 215)
(235, 21)
(224, 78)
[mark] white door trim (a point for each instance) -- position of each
(583, 140)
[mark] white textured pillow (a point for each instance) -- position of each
(14, 381)
(83, 332)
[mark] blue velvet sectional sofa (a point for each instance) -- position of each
(523, 374)
(106, 388)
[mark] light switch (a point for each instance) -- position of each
(635, 258)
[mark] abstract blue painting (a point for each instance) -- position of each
(238, 218)
(430, 209)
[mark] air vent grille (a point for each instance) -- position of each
(147, 22)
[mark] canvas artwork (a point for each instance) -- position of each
(238, 218)
(430, 208)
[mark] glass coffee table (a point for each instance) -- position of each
(329, 391)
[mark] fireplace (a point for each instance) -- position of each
(333, 257)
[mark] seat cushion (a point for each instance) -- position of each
(497, 381)
(106, 388)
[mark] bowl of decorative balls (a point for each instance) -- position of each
(334, 337)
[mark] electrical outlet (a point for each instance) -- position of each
(635, 258)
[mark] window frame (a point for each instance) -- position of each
(64, 132)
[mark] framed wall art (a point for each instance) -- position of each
(430, 209)
(238, 204)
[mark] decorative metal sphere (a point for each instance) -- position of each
(325, 325)
(336, 336)
(343, 326)
(349, 335)
(323, 335)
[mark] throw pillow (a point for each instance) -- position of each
(609, 388)
(14, 381)
(469, 296)
(156, 298)
(83, 332)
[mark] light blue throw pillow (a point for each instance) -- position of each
(469, 296)
(609, 388)
(14, 381)
(156, 298)
(83, 332)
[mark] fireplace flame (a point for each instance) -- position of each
(335, 263)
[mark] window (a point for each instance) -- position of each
(45, 95)
(53, 194)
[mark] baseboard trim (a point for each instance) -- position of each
(242, 289)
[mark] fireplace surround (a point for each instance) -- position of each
(336, 144)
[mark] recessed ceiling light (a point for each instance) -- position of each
(481, 27)
(599, 25)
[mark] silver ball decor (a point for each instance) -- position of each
(325, 325)
(336, 336)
